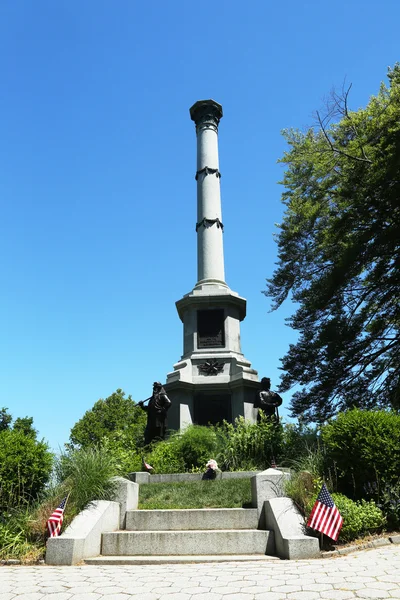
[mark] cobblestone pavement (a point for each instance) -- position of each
(371, 573)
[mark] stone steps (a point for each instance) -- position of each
(193, 558)
(191, 519)
(188, 542)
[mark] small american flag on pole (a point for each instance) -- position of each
(55, 520)
(146, 466)
(324, 516)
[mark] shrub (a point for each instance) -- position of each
(165, 457)
(197, 444)
(25, 468)
(362, 448)
(359, 518)
(247, 446)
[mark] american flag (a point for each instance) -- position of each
(324, 516)
(55, 520)
(147, 466)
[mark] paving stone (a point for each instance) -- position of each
(179, 596)
(383, 585)
(116, 597)
(316, 587)
(259, 589)
(87, 596)
(106, 590)
(286, 589)
(30, 596)
(303, 596)
(193, 591)
(370, 593)
(239, 596)
(208, 596)
(58, 596)
(55, 589)
(349, 585)
(338, 595)
(268, 596)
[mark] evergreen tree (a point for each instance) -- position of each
(339, 257)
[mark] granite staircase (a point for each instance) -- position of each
(186, 535)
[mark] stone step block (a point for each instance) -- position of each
(177, 560)
(156, 543)
(189, 519)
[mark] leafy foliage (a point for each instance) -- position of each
(339, 257)
(249, 446)
(115, 413)
(25, 467)
(359, 518)
(362, 448)
(299, 443)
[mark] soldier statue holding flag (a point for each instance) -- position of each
(157, 408)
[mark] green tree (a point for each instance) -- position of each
(25, 425)
(114, 414)
(5, 419)
(25, 467)
(339, 257)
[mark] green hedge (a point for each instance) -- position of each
(362, 451)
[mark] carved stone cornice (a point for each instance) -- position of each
(208, 222)
(208, 171)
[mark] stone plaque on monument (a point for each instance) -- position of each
(210, 328)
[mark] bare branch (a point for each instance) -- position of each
(332, 147)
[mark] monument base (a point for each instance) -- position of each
(210, 404)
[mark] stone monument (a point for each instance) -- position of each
(213, 380)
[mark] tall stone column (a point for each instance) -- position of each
(210, 252)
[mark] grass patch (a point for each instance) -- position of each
(229, 493)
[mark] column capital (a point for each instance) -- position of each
(206, 112)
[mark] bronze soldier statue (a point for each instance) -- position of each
(267, 401)
(156, 409)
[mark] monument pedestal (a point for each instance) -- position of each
(213, 381)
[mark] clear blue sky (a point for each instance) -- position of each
(98, 197)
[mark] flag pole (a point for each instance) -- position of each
(66, 501)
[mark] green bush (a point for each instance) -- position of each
(197, 444)
(359, 518)
(362, 451)
(165, 457)
(25, 468)
(128, 456)
(248, 446)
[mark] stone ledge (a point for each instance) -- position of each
(283, 518)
